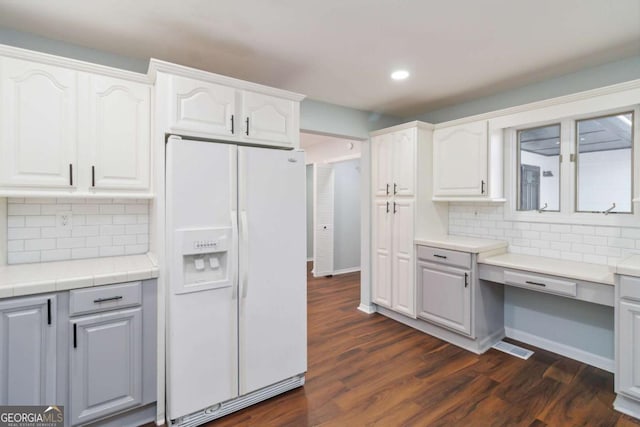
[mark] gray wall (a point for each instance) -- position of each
(579, 324)
(346, 244)
(309, 211)
(589, 78)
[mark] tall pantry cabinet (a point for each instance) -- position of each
(401, 180)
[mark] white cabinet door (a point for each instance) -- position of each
(629, 348)
(403, 285)
(460, 158)
(203, 109)
(381, 239)
(117, 133)
(269, 119)
(105, 368)
(28, 351)
(381, 162)
(445, 296)
(37, 125)
(404, 161)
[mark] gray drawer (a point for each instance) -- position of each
(629, 287)
(444, 256)
(103, 298)
(540, 283)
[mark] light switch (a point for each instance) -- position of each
(199, 262)
(214, 262)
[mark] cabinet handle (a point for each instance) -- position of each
(75, 335)
(71, 174)
(93, 176)
(387, 189)
(232, 125)
(529, 282)
(387, 207)
(482, 187)
(395, 188)
(440, 256)
(49, 311)
(100, 300)
(247, 121)
(466, 279)
(394, 207)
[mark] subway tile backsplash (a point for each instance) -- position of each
(585, 243)
(99, 227)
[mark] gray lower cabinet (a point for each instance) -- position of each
(105, 366)
(629, 348)
(445, 296)
(105, 362)
(28, 350)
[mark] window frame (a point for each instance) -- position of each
(568, 173)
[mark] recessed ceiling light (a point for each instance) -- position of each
(399, 74)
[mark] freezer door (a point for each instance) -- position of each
(273, 291)
(202, 347)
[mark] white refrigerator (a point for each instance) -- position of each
(236, 241)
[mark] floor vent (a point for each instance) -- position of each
(513, 350)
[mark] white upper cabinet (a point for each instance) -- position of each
(75, 131)
(404, 161)
(204, 108)
(38, 125)
(206, 105)
(381, 155)
(269, 119)
(117, 131)
(467, 163)
(460, 160)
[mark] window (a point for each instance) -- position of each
(604, 164)
(577, 170)
(539, 168)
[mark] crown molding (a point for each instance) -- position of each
(157, 66)
(403, 126)
(60, 61)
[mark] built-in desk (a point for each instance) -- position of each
(578, 280)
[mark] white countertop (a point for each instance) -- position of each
(629, 266)
(464, 244)
(26, 279)
(556, 267)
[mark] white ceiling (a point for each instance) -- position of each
(342, 51)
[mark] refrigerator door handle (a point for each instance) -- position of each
(234, 253)
(244, 230)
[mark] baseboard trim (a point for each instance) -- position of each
(562, 349)
(346, 270)
(369, 309)
(627, 406)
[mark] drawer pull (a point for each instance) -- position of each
(466, 279)
(100, 300)
(440, 256)
(529, 282)
(75, 335)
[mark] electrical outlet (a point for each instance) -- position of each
(64, 223)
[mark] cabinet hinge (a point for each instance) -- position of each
(572, 157)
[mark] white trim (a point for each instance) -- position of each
(578, 96)
(342, 158)
(346, 271)
(468, 200)
(157, 66)
(3, 231)
(369, 309)
(403, 126)
(627, 405)
(60, 61)
(562, 349)
(310, 259)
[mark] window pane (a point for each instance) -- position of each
(604, 166)
(539, 168)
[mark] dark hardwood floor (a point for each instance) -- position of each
(369, 370)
